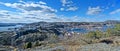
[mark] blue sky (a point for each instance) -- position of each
(27, 11)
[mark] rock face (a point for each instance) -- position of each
(98, 47)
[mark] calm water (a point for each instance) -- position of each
(84, 30)
(6, 28)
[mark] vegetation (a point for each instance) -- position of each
(37, 43)
(29, 45)
(50, 38)
(108, 33)
(95, 34)
(116, 30)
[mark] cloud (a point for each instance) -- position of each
(25, 17)
(26, 6)
(4, 13)
(62, 9)
(68, 5)
(34, 12)
(36, 16)
(72, 9)
(28, 12)
(94, 10)
(32, 16)
(64, 2)
(41, 2)
(115, 11)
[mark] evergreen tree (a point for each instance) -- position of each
(29, 45)
(95, 34)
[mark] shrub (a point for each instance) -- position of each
(95, 34)
(37, 43)
(108, 33)
(116, 30)
(29, 45)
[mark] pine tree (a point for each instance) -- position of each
(29, 45)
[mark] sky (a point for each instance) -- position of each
(28, 11)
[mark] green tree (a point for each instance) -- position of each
(29, 45)
(108, 33)
(95, 34)
(113, 31)
(116, 30)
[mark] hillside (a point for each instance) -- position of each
(57, 36)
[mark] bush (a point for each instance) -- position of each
(108, 33)
(29, 45)
(37, 43)
(115, 31)
(95, 34)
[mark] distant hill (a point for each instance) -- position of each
(10, 24)
(112, 22)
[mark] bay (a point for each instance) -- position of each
(9, 27)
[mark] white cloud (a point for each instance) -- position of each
(116, 11)
(62, 9)
(26, 6)
(35, 12)
(68, 5)
(41, 2)
(64, 2)
(72, 9)
(36, 16)
(28, 12)
(31, 16)
(94, 10)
